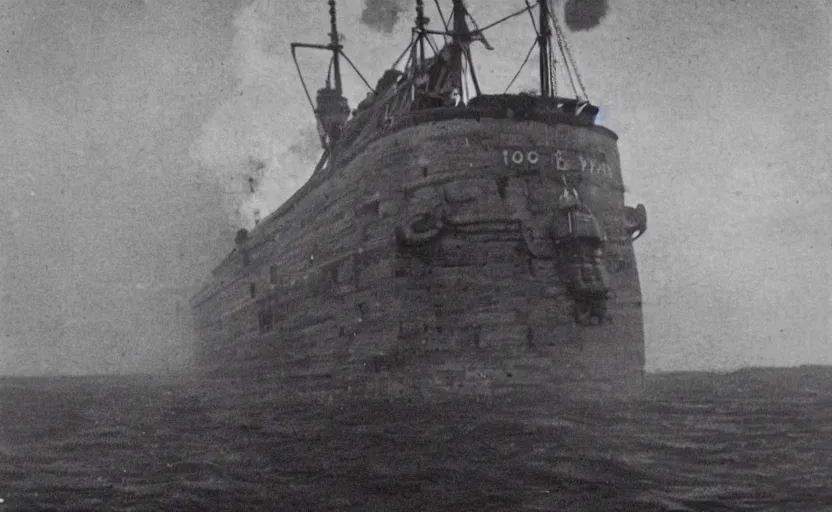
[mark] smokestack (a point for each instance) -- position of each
(584, 14)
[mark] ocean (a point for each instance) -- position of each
(757, 439)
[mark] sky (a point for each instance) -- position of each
(128, 131)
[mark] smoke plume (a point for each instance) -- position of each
(253, 143)
(382, 14)
(584, 14)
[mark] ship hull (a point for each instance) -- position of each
(422, 262)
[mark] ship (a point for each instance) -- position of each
(448, 240)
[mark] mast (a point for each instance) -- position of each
(460, 31)
(543, 41)
(335, 46)
(421, 21)
(331, 108)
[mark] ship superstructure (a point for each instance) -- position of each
(446, 239)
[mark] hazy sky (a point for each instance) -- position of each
(128, 125)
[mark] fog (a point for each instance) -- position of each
(130, 131)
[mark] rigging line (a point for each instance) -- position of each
(356, 70)
(302, 81)
(558, 39)
(476, 27)
(577, 73)
(410, 60)
(521, 67)
(412, 41)
(563, 52)
(534, 24)
(473, 72)
(441, 16)
(575, 68)
(568, 55)
(432, 45)
(504, 19)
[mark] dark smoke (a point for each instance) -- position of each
(584, 14)
(382, 14)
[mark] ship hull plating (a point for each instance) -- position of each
(424, 260)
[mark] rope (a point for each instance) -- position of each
(357, 72)
(432, 45)
(411, 61)
(563, 52)
(441, 16)
(504, 19)
(564, 44)
(476, 28)
(412, 41)
(521, 66)
(302, 81)
(575, 69)
(534, 23)
(473, 71)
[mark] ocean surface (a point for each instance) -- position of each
(756, 439)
